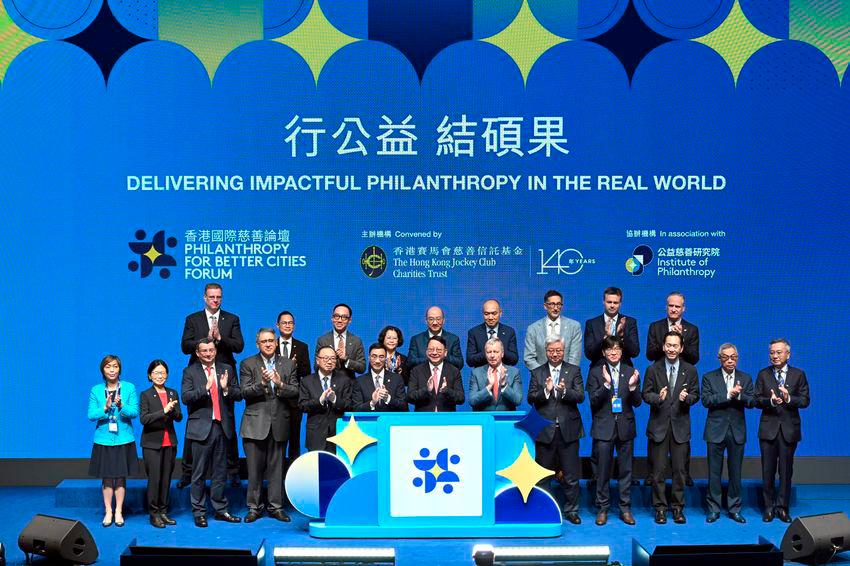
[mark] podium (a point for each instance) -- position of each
(428, 475)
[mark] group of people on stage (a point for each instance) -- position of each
(279, 385)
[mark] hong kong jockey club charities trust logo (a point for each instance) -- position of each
(436, 470)
(373, 262)
(152, 253)
(641, 257)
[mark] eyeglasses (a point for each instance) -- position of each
(340, 317)
(286, 323)
(326, 358)
(159, 372)
(551, 304)
(614, 350)
(434, 319)
(435, 350)
(725, 358)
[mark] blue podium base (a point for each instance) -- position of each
(319, 529)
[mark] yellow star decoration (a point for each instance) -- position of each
(352, 440)
(152, 254)
(826, 25)
(736, 39)
(13, 40)
(525, 40)
(316, 39)
(525, 473)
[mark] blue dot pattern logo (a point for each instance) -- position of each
(436, 470)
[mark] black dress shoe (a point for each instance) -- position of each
(601, 518)
(251, 516)
(660, 517)
(689, 481)
(627, 517)
(227, 517)
(767, 516)
(737, 517)
(184, 482)
(712, 517)
(280, 515)
(573, 518)
(679, 517)
(156, 521)
(166, 519)
(781, 514)
(201, 521)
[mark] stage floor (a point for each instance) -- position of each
(18, 505)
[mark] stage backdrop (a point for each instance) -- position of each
(397, 154)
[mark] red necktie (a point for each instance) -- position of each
(214, 395)
(495, 374)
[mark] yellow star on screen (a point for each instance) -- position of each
(152, 254)
(736, 39)
(525, 473)
(352, 440)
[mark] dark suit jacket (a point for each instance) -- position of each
(321, 418)
(655, 341)
(353, 350)
(595, 332)
(363, 389)
(199, 403)
(265, 409)
(420, 394)
(784, 417)
(604, 423)
(670, 411)
(197, 327)
(155, 420)
(477, 337)
(419, 345)
(298, 352)
(562, 408)
(725, 413)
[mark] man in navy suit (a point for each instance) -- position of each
(495, 386)
(614, 390)
(208, 390)
(351, 359)
(556, 389)
(435, 320)
(297, 351)
(435, 386)
(726, 392)
(670, 387)
(379, 389)
(611, 323)
(491, 328)
(225, 331)
(781, 391)
(324, 396)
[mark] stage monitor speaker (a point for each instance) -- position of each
(58, 539)
(815, 539)
(761, 554)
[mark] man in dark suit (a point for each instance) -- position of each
(351, 359)
(267, 381)
(208, 390)
(417, 354)
(670, 388)
(781, 391)
(556, 389)
(379, 389)
(611, 323)
(297, 351)
(614, 390)
(690, 352)
(726, 392)
(324, 396)
(224, 329)
(436, 385)
(491, 328)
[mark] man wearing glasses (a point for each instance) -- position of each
(379, 389)
(351, 358)
(324, 396)
(553, 324)
(435, 319)
(436, 385)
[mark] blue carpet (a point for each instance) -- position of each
(20, 504)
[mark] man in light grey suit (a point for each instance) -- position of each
(553, 324)
(268, 380)
(495, 387)
(350, 355)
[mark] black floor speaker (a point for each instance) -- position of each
(815, 539)
(58, 539)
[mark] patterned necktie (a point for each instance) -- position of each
(490, 334)
(285, 352)
(324, 384)
(435, 379)
(377, 382)
(270, 367)
(615, 380)
(780, 378)
(672, 379)
(612, 328)
(213, 322)
(556, 378)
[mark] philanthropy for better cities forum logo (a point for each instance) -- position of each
(436, 470)
(373, 262)
(641, 257)
(152, 253)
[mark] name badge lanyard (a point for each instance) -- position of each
(113, 416)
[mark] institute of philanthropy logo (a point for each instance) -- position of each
(373, 262)
(436, 470)
(641, 257)
(152, 253)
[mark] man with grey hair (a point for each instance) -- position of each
(556, 388)
(726, 392)
(781, 391)
(417, 353)
(495, 386)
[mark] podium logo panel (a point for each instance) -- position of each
(435, 471)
